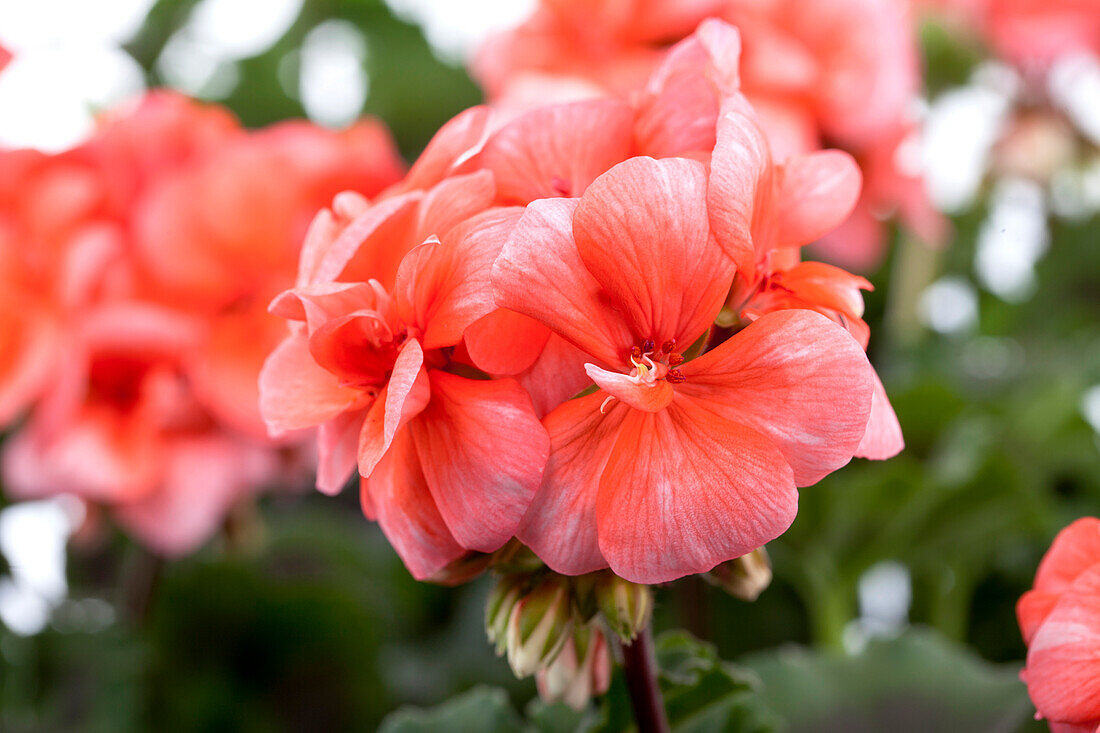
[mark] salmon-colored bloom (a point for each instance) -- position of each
(1060, 621)
(151, 252)
(677, 463)
(845, 71)
(448, 463)
(793, 204)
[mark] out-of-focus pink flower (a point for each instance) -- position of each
(374, 358)
(1037, 32)
(151, 252)
(1060, 622)
(5, 57)
(845, 72)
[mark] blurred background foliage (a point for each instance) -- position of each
(893, 601)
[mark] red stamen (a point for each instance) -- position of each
(648, 346)
(675, 359)
(668, 346)
(635, 353)
(675, 376)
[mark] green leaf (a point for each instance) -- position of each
(480, 710)
(916, 682)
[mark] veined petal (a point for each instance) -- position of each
(443, 287)
(296, 393)
(1074, 550)
(556, 376)
(560, 525)
(540, 274)
(483, 453)
(641, 230)
(505, 342)
(647, 396)
(817, 192)
(883, 438)
(338, 451)
(739, 193)
(397, 496)
(370, 246)
(452, 201)
(685, 489)
(1063, 659)
(455, 143)
(796, 377)
(402, 399)
(558, 150)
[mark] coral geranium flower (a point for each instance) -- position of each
(449, 463)
(1060, 621)
(675, 465)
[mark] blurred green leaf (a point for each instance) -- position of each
(480, 710)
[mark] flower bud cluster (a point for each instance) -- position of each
(744, 577)
(556, 627)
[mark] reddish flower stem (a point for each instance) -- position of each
(640, 668)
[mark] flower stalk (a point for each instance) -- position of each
(640, 669)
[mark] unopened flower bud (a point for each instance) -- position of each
(539, 626)
(498, 609)
(744, 577)
(625, 606)
(581, 670)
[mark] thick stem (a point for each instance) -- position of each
(640, 668)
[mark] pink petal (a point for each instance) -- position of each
(1075, 550)
(685, 489)
(641, 230)
(739, 193)
(560, 525)
(483, 452)
(397, 495)
(402, 399)
(817, 192)
(338, 451)
(453, 145)
(505, 342)
(556, 376)
(558, 150)
(796, 377)
(296, 393)
(1063, 659)
(443, 287)
(883, 438)
(540, 274)
(647, 396)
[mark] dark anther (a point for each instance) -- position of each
(675, 376)
(669, 346)
(648, 346)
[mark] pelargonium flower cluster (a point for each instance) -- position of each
(1060, 621)
(587, 326)
(842, 72)
(137, 269)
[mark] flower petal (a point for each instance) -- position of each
(883, 438)
(296, 393)
(453, 145)
(1074, 550)
(443, 287)
(505, 342)
(796, 377)
(739, 192)
(397, 496)
(483, 453)
(338, 451)
(558, 150)
(1063, 659)
(817, 192)
(540, 274)
(647, 396)
(560, 525)
(685, 489)
(402, 399)
(641, 230)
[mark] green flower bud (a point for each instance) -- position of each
(539, 626)
(583, 669)
(498, 608)
(744, 577)
(625, 606)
